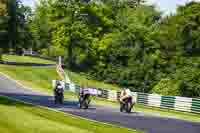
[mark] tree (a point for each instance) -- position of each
(12, 28)
(41, 29)
(24, 37)
(3, 8)
(126, 49)
(123, 42)
(70, 31)
(3, 23)
(178, 40)
(19, 16)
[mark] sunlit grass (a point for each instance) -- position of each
(18, 117)
(82, 79)
(14, 58)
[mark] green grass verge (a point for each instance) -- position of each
(41, 78)
(17, 117)
(82, 79)
(14, 58)
(77, 78)
(35, 77)
(170, 113)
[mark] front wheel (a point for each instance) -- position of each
(55, 100)
(86, 105)
(84, 102)
(61, 99)
(128, 107)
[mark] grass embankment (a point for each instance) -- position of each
(34, 77)
(41, 78)
(18, 117)
(82, 79)
(26, 59)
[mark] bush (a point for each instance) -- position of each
(167, 86)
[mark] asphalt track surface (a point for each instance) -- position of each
(144, 122)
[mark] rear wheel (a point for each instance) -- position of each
(84, 102)
(55, 100)
(121, 107)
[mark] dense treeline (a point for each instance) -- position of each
(14, 21)
(124, 42)
(3, 21)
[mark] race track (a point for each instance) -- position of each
(136, 120)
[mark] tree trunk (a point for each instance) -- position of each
(70, 55)
(12, 26)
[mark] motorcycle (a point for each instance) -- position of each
(84, 101)
(127, 105)
(59, 97)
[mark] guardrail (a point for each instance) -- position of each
(168, 102)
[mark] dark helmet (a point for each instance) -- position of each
(58, 84)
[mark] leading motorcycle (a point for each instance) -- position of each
(84, 101)
(58, 96)
(126, 105)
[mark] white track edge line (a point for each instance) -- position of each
(20, 84)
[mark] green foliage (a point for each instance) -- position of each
(123, 53)
(3, 23)
(122, 42)
(3, 8)
(40, 28)
(167, 87)
(14, 31)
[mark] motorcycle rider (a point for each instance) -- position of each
(84, 94)
(59, 92)
(125, 94)
(125, 97)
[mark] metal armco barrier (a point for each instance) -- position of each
(142, 98)
(195, 105)
(153, 100)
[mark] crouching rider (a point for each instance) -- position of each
(84, 97)
(59, 93)
(126, 100)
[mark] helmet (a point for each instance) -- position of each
(124, 88)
